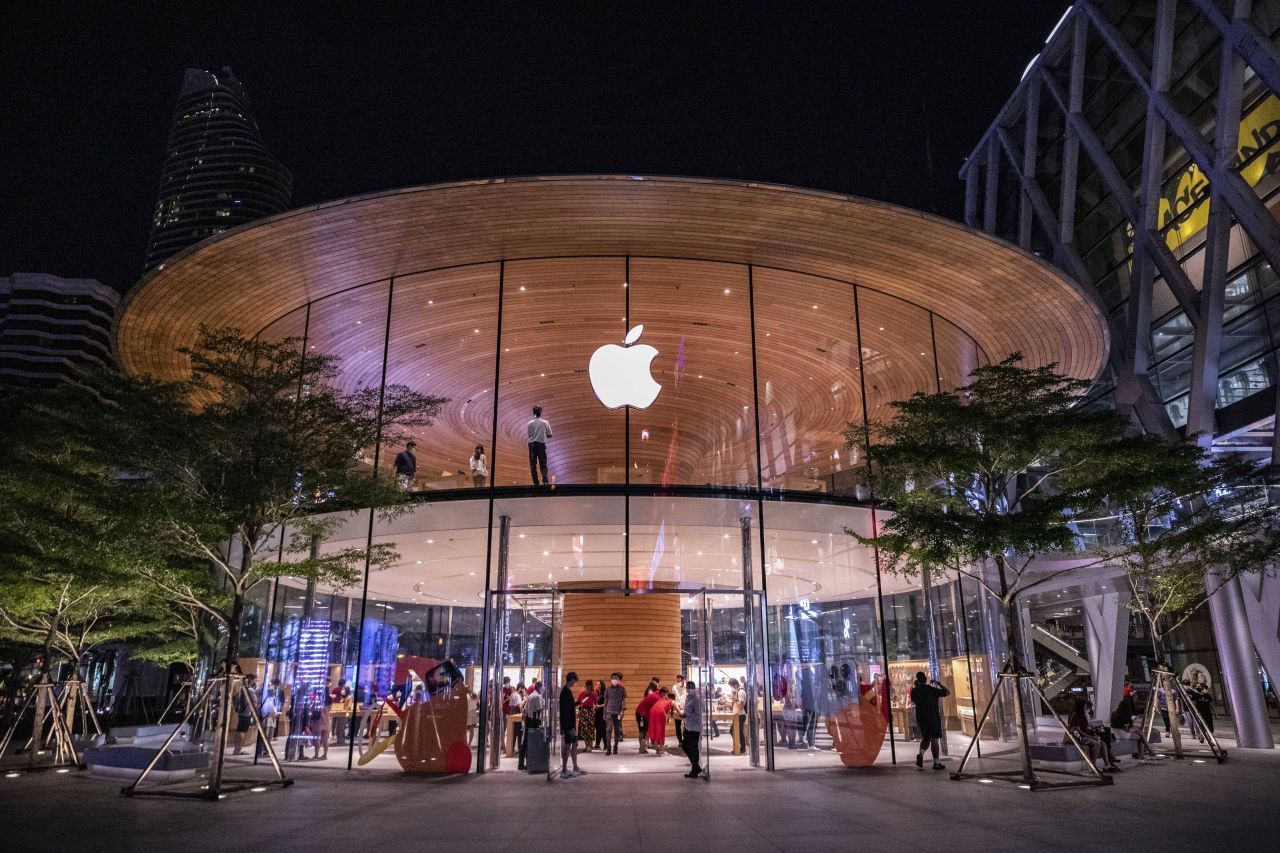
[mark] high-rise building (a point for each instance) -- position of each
(51, 327)
(1140, 153)
(218, 173)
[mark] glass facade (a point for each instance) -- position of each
(703, 535)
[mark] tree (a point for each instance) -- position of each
(984, 480)
(1188, 523)
(1184, 516)
(242, 463)
(69, 558)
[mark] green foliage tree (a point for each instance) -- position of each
(70, 558)
(237, 470)
(984, 480)
(1187, 523)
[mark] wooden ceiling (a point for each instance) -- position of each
(565, 241)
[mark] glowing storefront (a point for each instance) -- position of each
(702, 534)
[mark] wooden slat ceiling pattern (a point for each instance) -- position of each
(442, 244)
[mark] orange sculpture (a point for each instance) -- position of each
(859, 725)
(433, 733)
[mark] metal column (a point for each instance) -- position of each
(1239, 670)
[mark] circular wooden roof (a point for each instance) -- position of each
(1004, 298)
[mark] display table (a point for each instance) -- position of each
(731, 720)
(509, 742)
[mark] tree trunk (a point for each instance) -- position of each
(237, 609)
(46, 660)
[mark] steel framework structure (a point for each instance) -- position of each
(1050, 107)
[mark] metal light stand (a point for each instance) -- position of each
(184, 694)
(46, 708)
(76, 699)
(228, 688)
(1013, 677)
(1178, 694)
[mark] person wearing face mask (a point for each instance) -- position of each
(615, 705)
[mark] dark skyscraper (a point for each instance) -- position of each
(217, 173)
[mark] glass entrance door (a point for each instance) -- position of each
(739, 712)
(521, 657)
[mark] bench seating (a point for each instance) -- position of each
(128, 761)
(1063, 756)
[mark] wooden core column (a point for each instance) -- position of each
(637, 635)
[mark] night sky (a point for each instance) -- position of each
(877, 99)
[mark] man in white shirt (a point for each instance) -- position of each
(539, 432)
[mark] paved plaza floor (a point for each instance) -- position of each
(1170, 806)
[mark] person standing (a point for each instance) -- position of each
(692, 728)
(601, 732)
(615, 705)
(1202, 698)
(244, 713)
(569, 728)
(479, 469)
(406, 466)
(677, 700)
(539, 432)
(531, 718)
(925, 695)
(739, 710)
(587, 715)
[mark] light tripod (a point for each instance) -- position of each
(213, 708)
(1165, 678)
(51, 708)
(1012, 677)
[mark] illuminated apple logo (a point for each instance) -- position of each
(620, 374)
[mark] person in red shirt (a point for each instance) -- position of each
(642, 713)
(658, 715)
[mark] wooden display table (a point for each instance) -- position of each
(509, 742)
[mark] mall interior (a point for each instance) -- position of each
(705, 534)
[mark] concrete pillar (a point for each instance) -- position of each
(1262, 603)
(1239, 671)
(1106, 633)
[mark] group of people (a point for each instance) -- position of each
(317, 716)
(1097, 740)
(538, 429)
(591, 715)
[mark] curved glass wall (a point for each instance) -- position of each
(700, 532)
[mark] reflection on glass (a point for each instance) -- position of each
(700, 429)
(806, 351)
(556, 313)
(443, 340)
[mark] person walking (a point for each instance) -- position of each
(406, 466)
(925, 695)
(615, 705)
(569, 728)
(539, 432)
(479, 469)
(692, 728)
